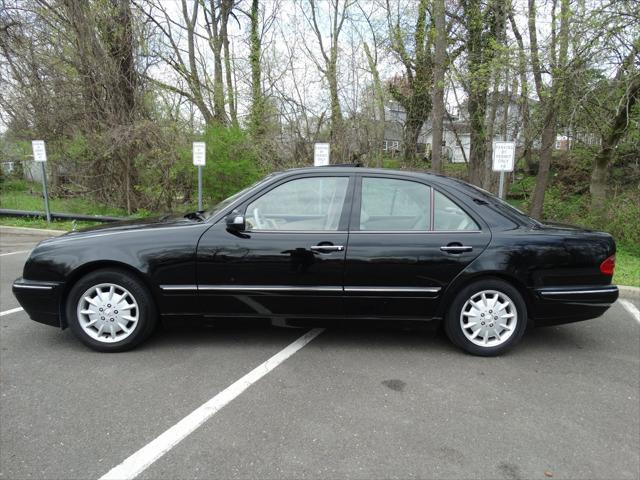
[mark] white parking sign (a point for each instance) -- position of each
(321, 154)
(504, 154)
(39, 151)
(199, 153)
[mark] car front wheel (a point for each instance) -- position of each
(110, 311)
(487, 317)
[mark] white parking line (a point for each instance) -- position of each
(13, 253)
(13, 310)
(631, 308)
(143, 458)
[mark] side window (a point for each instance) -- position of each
(449, 216)
(303, 204)
(389, 204)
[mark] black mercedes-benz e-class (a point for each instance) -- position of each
(336, 243)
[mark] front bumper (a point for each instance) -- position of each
(556, 305)
(40, 299)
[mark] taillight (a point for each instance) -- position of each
(608, 265)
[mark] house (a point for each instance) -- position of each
(456, 134)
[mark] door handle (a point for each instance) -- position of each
(327, 248)
(456, 248)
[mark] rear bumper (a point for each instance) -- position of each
(572, 304)
(41, 300)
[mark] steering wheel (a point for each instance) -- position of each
(256, 215)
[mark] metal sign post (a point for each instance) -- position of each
(199, 160)
(40, 156)
(504, 154)
(321, 154)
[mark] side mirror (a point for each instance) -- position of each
(235, 222)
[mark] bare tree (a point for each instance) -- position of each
(628, 76)
(439, 67)
(549, 98)
(412, 90)
(484, 24)
(329, 65)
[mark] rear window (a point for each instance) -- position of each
(498, 204)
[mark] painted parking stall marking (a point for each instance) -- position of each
(631, 308)
(13, 253)
(13, 310)
(147, 455)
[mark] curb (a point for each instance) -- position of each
(7, 229)
(630, 291)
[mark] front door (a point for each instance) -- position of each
(407, 242)
(290, 259)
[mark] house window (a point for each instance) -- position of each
(391, 145)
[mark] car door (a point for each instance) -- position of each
(407, 242)
(289, 260)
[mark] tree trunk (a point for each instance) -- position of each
(379, 100)
(257, 126)
(439, 59)
(411, 133)
(477, 105)
(219, 113)
(600, 181)
(485, 29)
(550, 105)
(546, 152)
(490, 182)
(225, 11)
(336, 111)
(524, 98)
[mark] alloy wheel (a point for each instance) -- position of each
(108, 312)
(488, 318)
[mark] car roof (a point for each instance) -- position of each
(383, 171)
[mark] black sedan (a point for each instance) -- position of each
(336, 243)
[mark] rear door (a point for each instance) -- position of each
(407, 242)
(290, 259)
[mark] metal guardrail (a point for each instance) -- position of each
(7, 212)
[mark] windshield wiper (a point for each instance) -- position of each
(199, 215)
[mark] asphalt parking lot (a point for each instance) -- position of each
(352, 403)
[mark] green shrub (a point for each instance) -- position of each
(232, 163)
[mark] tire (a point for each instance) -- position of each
(121, 314)
(502, 328)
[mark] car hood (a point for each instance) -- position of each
(132, 225)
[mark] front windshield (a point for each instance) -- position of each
(229, 200)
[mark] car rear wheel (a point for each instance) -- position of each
(487, 318)
(110, 310)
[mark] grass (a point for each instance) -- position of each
(23, 195)
(31, 222)
(627, 265)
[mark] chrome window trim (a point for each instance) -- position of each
(296, 231)
(413, 231)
